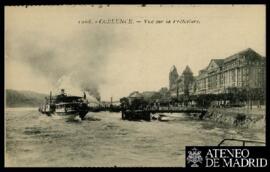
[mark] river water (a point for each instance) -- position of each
(104, 140)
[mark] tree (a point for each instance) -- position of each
(124, 102)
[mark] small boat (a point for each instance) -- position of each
(64, 104)
(163, 118)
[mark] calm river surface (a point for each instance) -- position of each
(103, 139)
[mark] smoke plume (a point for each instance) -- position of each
(74, 62)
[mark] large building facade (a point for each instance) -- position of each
(245, 69)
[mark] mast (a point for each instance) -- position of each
(50, 101)
(111, 100)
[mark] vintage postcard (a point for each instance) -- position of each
(133, 85)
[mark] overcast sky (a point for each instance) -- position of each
(46, 47)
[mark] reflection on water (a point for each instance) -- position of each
(103, 139)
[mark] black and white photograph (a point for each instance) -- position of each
(132, 85)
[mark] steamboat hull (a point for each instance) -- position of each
(72, 114)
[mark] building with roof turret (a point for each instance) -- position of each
(173, 76)
(183, 83)
(243, 70)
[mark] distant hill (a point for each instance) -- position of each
(15, 98)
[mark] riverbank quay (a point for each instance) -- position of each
(237, 116)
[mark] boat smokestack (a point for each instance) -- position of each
(62, 91)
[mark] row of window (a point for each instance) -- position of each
(231, 78)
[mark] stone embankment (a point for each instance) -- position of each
(237, 117)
